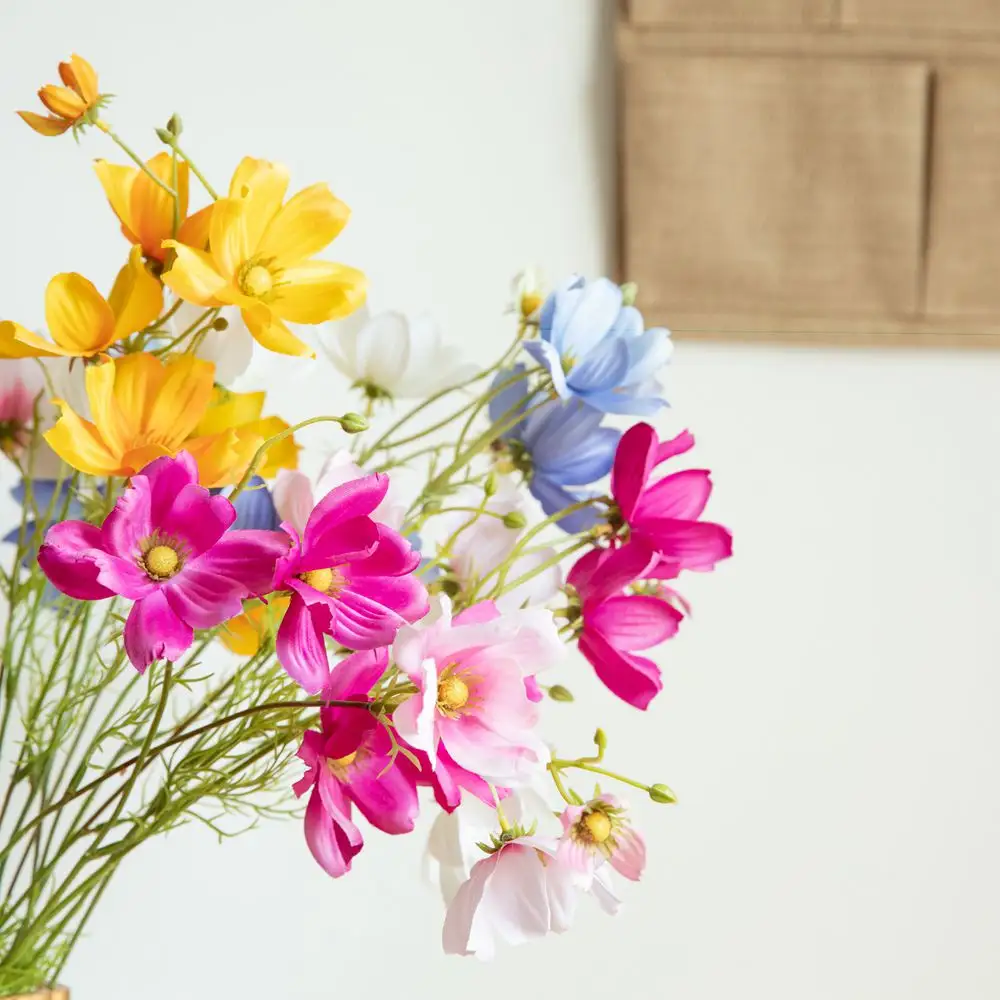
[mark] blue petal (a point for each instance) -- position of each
(648, 353)
(568, 445)
(604, 368)
(547, 313)
(255, 508)
(547, 356)
(583, 316)
(629, 323)
(512, 399)
(636, 401)
(555, 498)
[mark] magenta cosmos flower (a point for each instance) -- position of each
(164, 546)
(616, 623)
(349, 764)
(350, 578)
(471, 696)
(665, 514)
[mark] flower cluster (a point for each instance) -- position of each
(424, 592)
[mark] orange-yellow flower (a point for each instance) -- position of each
(245, 633)
(82, 322)
(69, 104)
(261, 258)
(143, 408)
(146, 210)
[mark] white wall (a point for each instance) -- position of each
(829, 714)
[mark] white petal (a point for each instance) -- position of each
(292, 494)
(230, 350)
(339, 342)
(384, 350)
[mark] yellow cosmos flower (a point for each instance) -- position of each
(82, 322)
(68, 104)
(260, 258)
(146, 211)
(245, 633)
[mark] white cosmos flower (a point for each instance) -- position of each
(230, 350)
(389, 355)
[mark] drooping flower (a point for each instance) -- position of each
(350, 763)
(665, 515)
(479, 549)
(143, 408)
(165, 547)
(597, 832)
(294, 492)
(82, 322)
(471, 698)
(558, 447)
(70, 105)
(350, 578)
(261, 258)
(19, 386)
(616, 624)
(596, 348)
(391, 357)
(146, 211)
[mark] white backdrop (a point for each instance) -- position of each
(829, 718)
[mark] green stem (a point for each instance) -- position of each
(134, 157)
(177, 194)
(194, 169)
(559, 765)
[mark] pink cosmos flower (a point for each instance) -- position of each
(19, 385)
(350, 764)
(350, 578)
(600, 832)
(616, 623)
(164, 546)
(471, 697)
(665, 514)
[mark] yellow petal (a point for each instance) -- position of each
(62, 101)
(268, 330)
(309, 221)
(45, 124)
(192, 275)
(80, 75)
(119, 420)
(117, 182)
(136, 459)
(181, 399)
(263, 185)
(81, 445)
(195, 228)
(316, 291)
(282, 455)
(229, 235)
(18, 342)
(230, 410)
(137, 297)
(222, 458)
(244, 633)
(79, 319)
(151, 209)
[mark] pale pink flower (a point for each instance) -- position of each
(471, 697)
(350, 763)
(351, 578)
(166, 547)
(20, 383)
(600, 832)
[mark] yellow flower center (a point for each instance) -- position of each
(346, 761)
(257, 282)
(453, 694)
(319, 579)
(162, 562)
(597, 827)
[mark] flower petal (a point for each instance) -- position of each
(136, 298)
(263, 185)
(45, 124)
(192, 275)
(151, 208)
(353, 499)
(117, 181)
(333, 838)
(78, 318)
(304, 225)
(318, 291)
(154, 632)
(634, 622)
(18, 342)
(81, 445)
(633, 466)
(300, 646)
(682, 495)
(228, 234)
(271, 333)
(635, 679)
(67, 559)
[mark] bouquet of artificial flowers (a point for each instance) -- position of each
(191, 623)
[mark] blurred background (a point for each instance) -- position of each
(829, 715)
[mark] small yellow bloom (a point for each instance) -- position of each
(146, 211)
(82, 322)
(69, 104)
(260, 258)
(245, 633)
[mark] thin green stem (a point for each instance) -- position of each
(134, 157)
(194, 169)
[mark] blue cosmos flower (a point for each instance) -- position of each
(560, 448)
(595, 348)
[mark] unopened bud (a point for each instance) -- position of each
(600, 740)
(660, 793)
(490, 486)
(630, 291)
(175, 126)
(558, 693)
(220, 323)
(165, 136)
(515, 519)
(353, 423)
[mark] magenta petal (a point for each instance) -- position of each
(695, 545)
(333, 839)
(393, 556)
(347, 542)
(67, 558)
(384, 794)
(637, 622)
(130, 521)
(405, 595)
(300, 647)
(634, 679)
(166, 477)
(616, 569)
(202, 598)
(154, 632)
(674, 447)
(356, 675)
(633, 466)
(124, 577)
(682, 495)
(196, 519)
(247, 556)
(361, 623)
(582, 572)
(357, 498)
